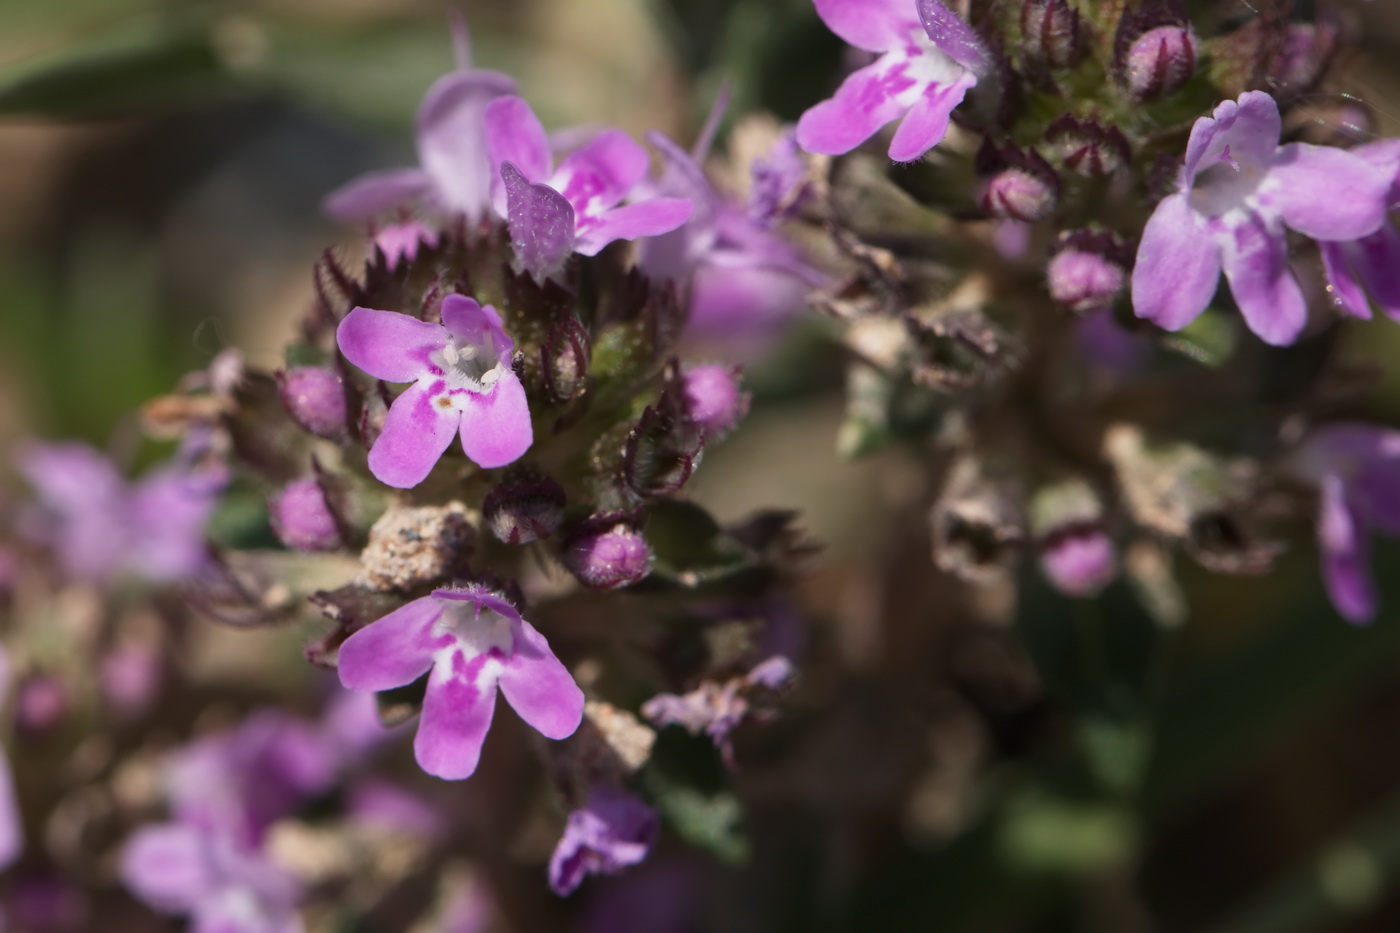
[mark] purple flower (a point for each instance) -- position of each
(1238, 190)
(606, 552)
(301, 519)
(11, 822)
(746, 280)
(315, 398)
(1079, 562)
(235, 784)
(455, 173)
(100, 527)
(718, 709)
(1372, 263)
(1356, 468)
(714, 399)
(400, 242)
(471, 641)
(574, 207)
(928, 60)
(181, 869)
(613, 831)
(462, 383)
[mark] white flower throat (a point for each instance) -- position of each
(476, 368)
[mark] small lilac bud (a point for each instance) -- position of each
(1303, 56)
(41, 703)
(315, 398)
(1159, 62)
(714, 398)
(1076, 555)
(1088, 147)
(130, 676)
(524, 509)
(1079, 562)
(401, 242)
(606, 552)
(1087, 269)
(1051, 30)
(1016, 185)
(301, 518)
(565, 356)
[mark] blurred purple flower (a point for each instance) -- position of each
(462, 384)
(1356, 468)
(1237, 191)
(237, 783)
(614, 830)
(1371, 263)
(574, 207)
(717, 709)
(1080, 561)
(99, 526)
(746, 280)
(400, 242)
(928, 60)
(472, 641)
(186, 870)
(714, 399)
(455, 174)
(11, 821)
(301, 519)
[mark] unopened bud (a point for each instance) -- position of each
(565, 356)
(1303, 56)
(606, 552)
(978, 522)
(1052, 32)
(41, 703)
(301, 519)
(1159, 62)
(400, 242)
(1016, 184)
(1087, 269)
(714, 398)
(524, 509)
(315, 398)
(664, 446)
(1076, 555)
(1087, 147)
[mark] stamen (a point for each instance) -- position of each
(450, 354)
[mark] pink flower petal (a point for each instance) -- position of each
(1249, 129)
(388, 345)
(539, 687)
(1178, 266)
(514, 134)
(456, 717)
(452, 137)
(865, 101)
(376, 194)
(496, 427)
(643, 219)
(927, 122)
(1327, 193)
(1347, 292)
(542, 224)
(417, 430)
(392, 651)
(1255, 260)
(474, 324)
(602, 173)
(953, 36)
(1377, 261)
(1345, 555)
(872, 25)
(168, 866)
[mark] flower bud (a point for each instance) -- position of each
(1302, 56)
(130, 676)
(524, 508)
(714, 398)
(315, 398)
(607, 551)
(301, 519)
(1087, 269)
(1159, 62)
(1087, 147)
(565, 356)
(1016, 184)
(1052, 32)
(400, 242)
(1076, 556)
(664, 446)
(41, 703)
(978, 522)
